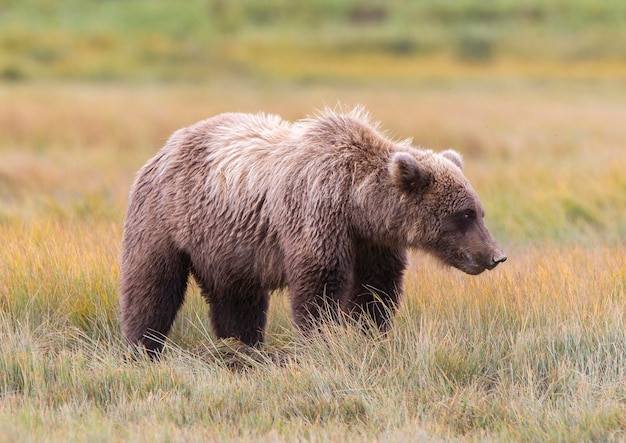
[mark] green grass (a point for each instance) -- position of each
(200, 40)
(533, 351)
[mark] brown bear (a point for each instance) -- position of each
(326, 206)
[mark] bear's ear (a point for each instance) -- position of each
(407, 174)
(454, 157)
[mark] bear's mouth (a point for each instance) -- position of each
(469, 260)
(470, 266)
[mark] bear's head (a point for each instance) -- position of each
(444, 211)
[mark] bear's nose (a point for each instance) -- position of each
(499, 258)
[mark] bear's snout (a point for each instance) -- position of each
(497, 259)
(478, 263)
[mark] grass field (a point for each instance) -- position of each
(528, 91)
(533, 351)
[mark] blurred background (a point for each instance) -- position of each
(531, 92)
(310, 41)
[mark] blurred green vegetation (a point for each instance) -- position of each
(201, 39)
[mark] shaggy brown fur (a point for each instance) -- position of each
(326, 206)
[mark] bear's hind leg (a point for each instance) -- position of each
(378, 284)
(239, 312)
(152, 290)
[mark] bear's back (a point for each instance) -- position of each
(237, 190)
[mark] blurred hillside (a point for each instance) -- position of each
(314, 40)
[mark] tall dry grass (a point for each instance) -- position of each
(534, 350)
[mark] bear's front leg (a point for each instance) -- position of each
(317, 290)
(378, 284)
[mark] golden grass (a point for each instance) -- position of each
(62, 272)
(305, 64)
(534, 350)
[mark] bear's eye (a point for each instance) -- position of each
(465, 218)
(468, 215)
